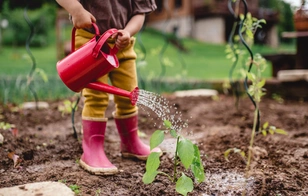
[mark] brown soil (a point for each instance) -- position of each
(49, 151)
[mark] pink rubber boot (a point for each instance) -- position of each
(94, 159)
(131, 145)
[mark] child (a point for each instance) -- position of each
(127, 16)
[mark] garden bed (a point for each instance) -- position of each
(49, 151)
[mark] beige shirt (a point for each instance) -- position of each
(116, 13)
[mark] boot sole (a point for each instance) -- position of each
(140, 157)
(129, 155)
(98, 171)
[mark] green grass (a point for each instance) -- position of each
(201, 61)
(16, 61)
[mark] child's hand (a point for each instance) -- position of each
(82, 19)
(122, 39)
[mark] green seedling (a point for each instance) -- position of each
(277, 98)
(6, 126)
(39, 72)
(98, 192)
(75, 188)
(236, 151)
(256, 90)
(66, 107)
(186, 153)
(9, 127)
(266, 128)
(31, 76)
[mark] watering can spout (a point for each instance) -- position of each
(133, 95)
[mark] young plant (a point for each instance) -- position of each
(247, 27)
(10, 127)
(256, 91)
(6, 126)
(98, 192)
(266, 128)
(186, 153)
(66, 107)
(75, 188)
(236, 151)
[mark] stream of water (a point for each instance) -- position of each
(162, 108)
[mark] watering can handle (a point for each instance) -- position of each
(101, 41)
(97, 33)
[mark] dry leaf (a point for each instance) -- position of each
(16, 159)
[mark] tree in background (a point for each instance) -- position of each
(31, 4)
(285, 15)
(41, 13)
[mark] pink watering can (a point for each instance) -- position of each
(83, 67)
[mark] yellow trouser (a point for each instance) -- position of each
(124, 77)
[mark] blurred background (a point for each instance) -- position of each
(183, 40)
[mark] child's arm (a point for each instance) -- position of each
(81, 18)
(133, 26)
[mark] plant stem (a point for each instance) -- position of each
(175, 158)
(165, 174)
(252, 140)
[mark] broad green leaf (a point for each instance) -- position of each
(148, 177)
(186, 152)
(198, 172)
(151, 168)
(167, 124)
(157, 138)
(197, 167)
(173, 133)
(184, 185)
(281, 131)
(153, 162)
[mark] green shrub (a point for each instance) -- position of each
(19, 30)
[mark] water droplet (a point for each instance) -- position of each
(162, 108)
